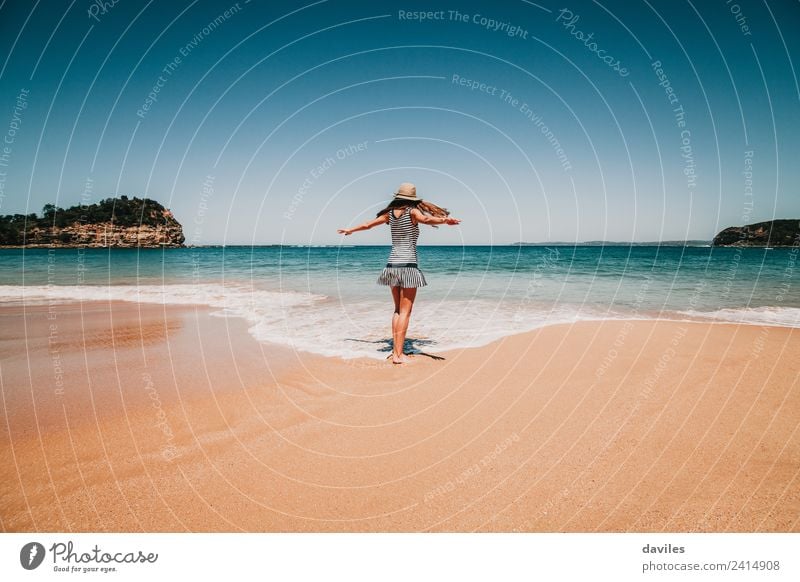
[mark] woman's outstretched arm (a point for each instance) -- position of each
(382, 219)
(433, 220)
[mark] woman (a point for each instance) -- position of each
(404, 214)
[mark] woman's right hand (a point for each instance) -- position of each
(452, 221)
(345, 231)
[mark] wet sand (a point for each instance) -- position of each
(131, 417)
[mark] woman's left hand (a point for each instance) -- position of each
(345, 231)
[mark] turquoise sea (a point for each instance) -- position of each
(326, 300)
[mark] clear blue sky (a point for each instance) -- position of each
(281, 121)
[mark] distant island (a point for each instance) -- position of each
(609, 243)
(113, 222)
(772, 233)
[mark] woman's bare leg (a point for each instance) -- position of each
(407, 296)
(396, 314)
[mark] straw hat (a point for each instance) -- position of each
(406, 191)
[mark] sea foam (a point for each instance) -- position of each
(321, 324)
(771, 316)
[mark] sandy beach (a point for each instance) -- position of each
(131, 417)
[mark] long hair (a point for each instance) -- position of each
(426, 207)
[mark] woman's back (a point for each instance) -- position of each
(405, 233)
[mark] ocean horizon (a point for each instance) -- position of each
(325, 299)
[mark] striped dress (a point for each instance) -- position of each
(401, 270)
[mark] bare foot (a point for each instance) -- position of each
(402, 359)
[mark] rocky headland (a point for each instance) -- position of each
(113, 222)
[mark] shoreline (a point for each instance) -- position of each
(218, 310)
(170, 419)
